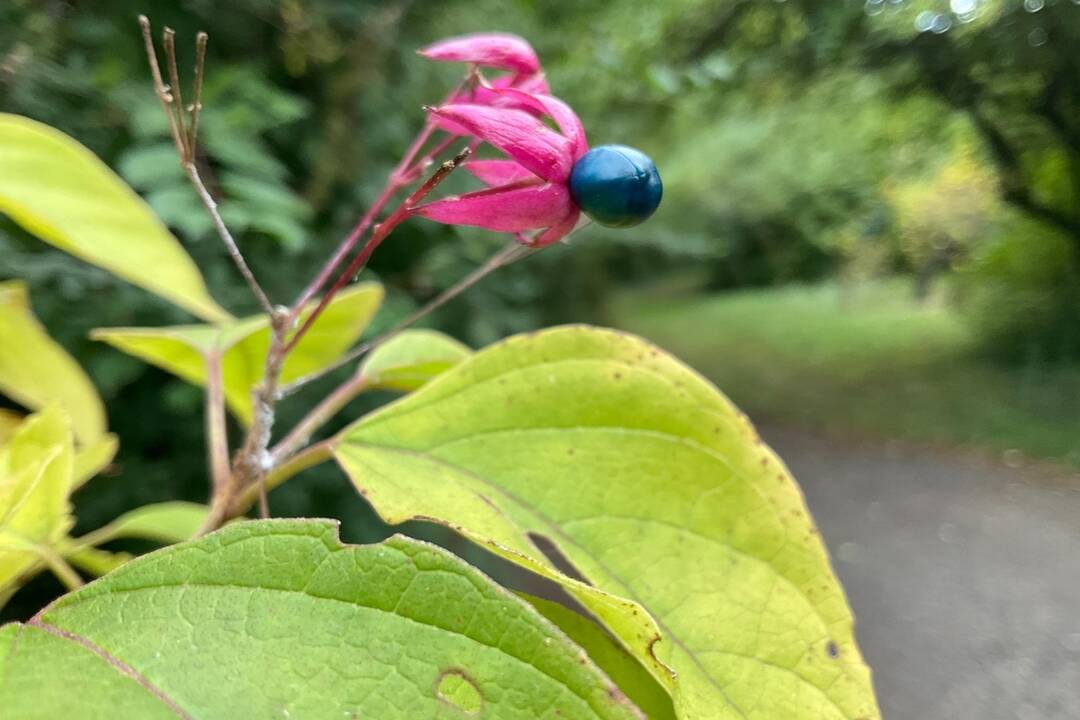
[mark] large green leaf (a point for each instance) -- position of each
(35, 370)
(242, 344)
(277, 619)
(653, 487)
(59, 191)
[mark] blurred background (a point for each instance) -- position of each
(870, 240)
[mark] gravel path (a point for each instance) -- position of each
(964, 575)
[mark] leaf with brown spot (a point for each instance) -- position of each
(655, 509)
(277, 618)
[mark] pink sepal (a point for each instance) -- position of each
(497, 50)
(563, 115)
(540, 149)
(510, 208)
(498, 172)
(556, 232)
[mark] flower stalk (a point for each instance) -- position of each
(378, 234)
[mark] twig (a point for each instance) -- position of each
(217, 439)
(162, 90)
(201, 39)
(299, 462)
(168, 40)
(226, 237)
(402, 175)
(60, 567)
(172, 103)
(318, 416)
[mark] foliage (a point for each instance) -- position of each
(387, 630)
(239, 346)
(943, 220)
(44, 191)
(522, 441)
(868, 359)
(955, 207)
(1022, 294)
(515, 449)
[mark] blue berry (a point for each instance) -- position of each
(616, 186)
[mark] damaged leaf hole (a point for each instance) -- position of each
(552, 552)
(454, 687)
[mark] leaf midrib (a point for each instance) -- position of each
(112, 661)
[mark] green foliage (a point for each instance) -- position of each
(654, 488)
(46, 456)
(35, 482)
(869, 359)
(583, 456)
(412, 358)
(39, 470)
(239, 346)
(168, 522)
(35, 370)
(301, 625)
(611, 657)
(1022, 294)
(60, 192)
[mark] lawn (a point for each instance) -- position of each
(865, 360)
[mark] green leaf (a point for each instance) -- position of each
(167, 522)
(35, 481)
(185, 350)
(95, 561)
(651, 485)
(92, 459)
(35, 370)
(59, 191)
(412, 358)
(277, 619)
(611, 657)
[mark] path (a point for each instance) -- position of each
(964, 576)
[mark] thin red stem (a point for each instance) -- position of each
(401, 176)
(380, 232)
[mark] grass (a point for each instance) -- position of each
(865, 360)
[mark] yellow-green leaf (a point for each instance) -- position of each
(62, 193)
(94, 560)
(651, 485)
(167, 522)
(92, 459)
(412, 358)
(35, 370)
(35, 481)
(623, 669)
(242, 345)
